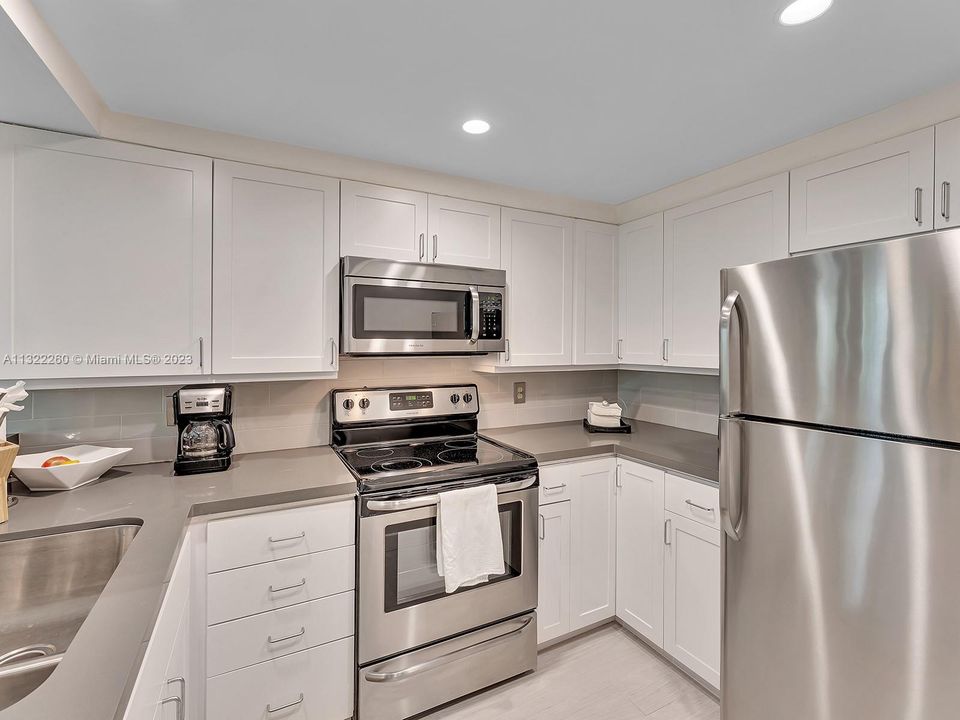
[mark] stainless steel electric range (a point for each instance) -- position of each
(418, 646)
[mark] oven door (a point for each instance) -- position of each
(402, 600)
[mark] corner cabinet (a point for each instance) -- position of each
(537, 253)
(641, 291)
(275, 270)
(595, 331)
(106, 250)
(747, 225)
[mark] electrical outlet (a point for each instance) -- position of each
(519, 393)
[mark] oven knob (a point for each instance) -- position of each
(348, 404)
(364, 403)
(454, 398)
(467, 398)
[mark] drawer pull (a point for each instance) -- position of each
(289, 705)
(303, 581)
(549, 488)
(302, 534)
(699, 507)
(272, 640)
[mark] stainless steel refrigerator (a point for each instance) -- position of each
(840, 484)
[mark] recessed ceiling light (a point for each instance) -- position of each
(476, 127)
(802, 11)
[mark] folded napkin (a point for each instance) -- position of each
(469, 544)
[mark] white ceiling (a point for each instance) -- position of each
(599, 99)
(29, 93)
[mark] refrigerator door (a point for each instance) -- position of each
(842, 595)
(864, 337)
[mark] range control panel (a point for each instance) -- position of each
(383, 404)
(491, 316)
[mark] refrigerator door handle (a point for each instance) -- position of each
(731, 479)
(732, 306)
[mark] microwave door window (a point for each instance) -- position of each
(397, 312)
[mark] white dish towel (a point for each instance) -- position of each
(469, 544)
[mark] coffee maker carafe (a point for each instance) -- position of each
(205, 436)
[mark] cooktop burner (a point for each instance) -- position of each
(400, 464)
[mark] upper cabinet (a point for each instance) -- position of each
(595, 333)
(738, 227)
(878, 191)
(641, 291)
(946, 215)
(107, 254)
(538, 257)
(384, 222)
(275, 271)
(463, 232)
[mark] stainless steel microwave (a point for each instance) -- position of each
(400, 308)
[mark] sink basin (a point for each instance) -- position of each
(48, 585)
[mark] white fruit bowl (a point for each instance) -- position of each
(94, 462)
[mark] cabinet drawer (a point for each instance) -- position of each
(269, 635)
(316, 684)
(250, 539)
(555, 483)
(246, 591)
(694, 500)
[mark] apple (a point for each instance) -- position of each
(58, 460)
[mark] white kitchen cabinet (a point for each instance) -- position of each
(746, 225)
(276, 258)
(383, 222)
(692, 614)
(553, 605)
(640, 548)
(878, 191)
(641, 291)
(107, 250)
(947, 161)
(593, 542)
(596, 331)
(537, 253)
(463, 232)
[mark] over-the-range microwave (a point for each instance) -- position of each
(402, 308)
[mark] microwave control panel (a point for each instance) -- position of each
(491, 316)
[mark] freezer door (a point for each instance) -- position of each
(864, 337)
(842, 595)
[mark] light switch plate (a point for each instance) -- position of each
(519, 393)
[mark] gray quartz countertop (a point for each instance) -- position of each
(680, 451)
(97, 672)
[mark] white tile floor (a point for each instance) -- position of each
(606, 674)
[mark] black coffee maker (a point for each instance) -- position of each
(205, 436)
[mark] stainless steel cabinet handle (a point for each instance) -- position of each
(732, 495)
(436, 245)
(303, 581)
(543, 527)
(428, 500)
(272, 640)
(506, 351)
(201, 354)
(421, 245)
(289, 705)
(692, 504)
(333, 352)
(299, 536)
(448, 657)
(474, 314)
(917, 205)
(945, 200)
(666, 531)
(548, 488)
(179, 701)
(731, 306)
(666, 349)
(619, 475)
(620, 349)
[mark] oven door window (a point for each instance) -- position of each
(383, 311)
(411, 559)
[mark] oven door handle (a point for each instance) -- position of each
(475, 315)
(428, 500)
(384, 677)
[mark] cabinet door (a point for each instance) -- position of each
(640, 541)
(593, 544)
(946, 212)
(595, 334)
(878, 191)
(538, 258)
(739, 227)
(177, 681)
(553, 605)
(275, 270)
(106, 250)
(383, 222)
(692, 597)
(463, 232)
(641, 291)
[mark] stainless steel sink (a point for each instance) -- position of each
(48, 584)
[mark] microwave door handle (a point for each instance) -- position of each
(475, 315)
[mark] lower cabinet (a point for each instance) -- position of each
(553, 604)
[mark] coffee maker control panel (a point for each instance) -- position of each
(196, 401)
